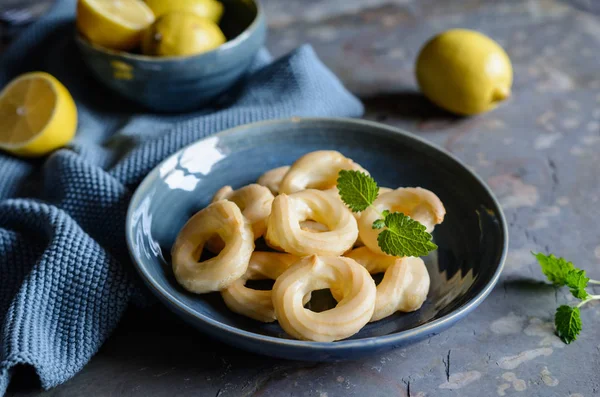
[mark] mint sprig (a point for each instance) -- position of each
(568, 323)
(555, 269)
(357, 189)
(577, 282)
(379, 224)
(404, 236)
(563, 273)
(400, 235)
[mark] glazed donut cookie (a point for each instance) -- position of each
(255, 202)
(314, 227)
(272, 178)
(285, 233)
(311, 273)
(420, 204)
(316, 170)
(257, 304)
(225, 219)
(334, 191)
(405, 282)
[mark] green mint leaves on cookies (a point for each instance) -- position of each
(400, 235)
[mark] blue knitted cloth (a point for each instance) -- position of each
(65, 274)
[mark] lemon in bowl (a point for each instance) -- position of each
(464, 72)
(181, 82)
(115, 24)
(211, 9)
(181, 33)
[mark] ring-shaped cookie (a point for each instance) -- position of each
(225, 219)
(334, 191)
(272, 178)
(420, 204)
(258, 304)
(405, 282)
(255, 202)
(285, 233)
(314, 227)
(316, 170)
(311, 273)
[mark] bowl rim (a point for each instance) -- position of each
(397, 338)
(230, 44)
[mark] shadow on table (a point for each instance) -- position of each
(529, 285)
(158, 336)
(407, 105)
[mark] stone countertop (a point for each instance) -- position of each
(538, 152)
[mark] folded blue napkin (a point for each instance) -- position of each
(65, 274)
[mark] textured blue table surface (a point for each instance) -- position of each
(538, 152)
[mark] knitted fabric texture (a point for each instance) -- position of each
(65, 274)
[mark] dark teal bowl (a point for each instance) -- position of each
(177, 84)
(472, 240)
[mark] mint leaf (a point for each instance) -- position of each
(577, 282)
(378, 224)
(562, 273)
(555, 269)
(357, 190)
(404, 237)
(385, 213)
(568, 323)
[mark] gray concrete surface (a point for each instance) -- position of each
(539, 153)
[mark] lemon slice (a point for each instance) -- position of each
(37, 115)
(116, 24)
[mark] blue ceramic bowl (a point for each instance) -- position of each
(472, 239)
(176, 84)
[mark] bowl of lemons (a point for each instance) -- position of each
(166, 55)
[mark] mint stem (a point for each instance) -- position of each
(589, 299)
(594, 281)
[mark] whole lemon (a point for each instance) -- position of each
(181, 33)
(464, 72)
(211, 9)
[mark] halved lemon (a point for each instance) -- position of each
(37, 115)
(116, 24)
